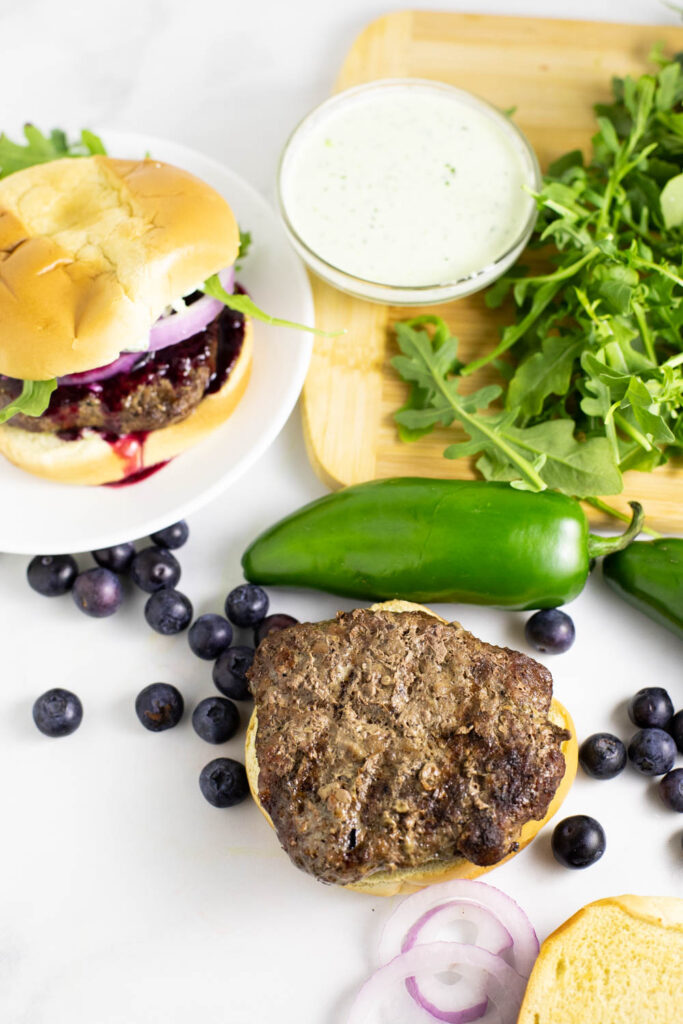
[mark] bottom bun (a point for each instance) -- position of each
(407, 880)
(91, 460)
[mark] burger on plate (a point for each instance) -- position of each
(113, 358)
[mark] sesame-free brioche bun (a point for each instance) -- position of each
(407, 880)
(92, 250)
(616, 961)
(91, 460)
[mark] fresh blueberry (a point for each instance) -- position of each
(172, 536)
(272, 624)
(671, 790)
(98, 592)
(651, 708)
(602, 756)
(578, 841)
(154, 568)
(675, 727)
(215, 719)
(550, 631)
(52, 575)
(168, 611)
(116, 558)
(209, 636)
(159, 706)
(246, 605)
(230, 672)
(58, 712)
(224, 782)
(652, 751)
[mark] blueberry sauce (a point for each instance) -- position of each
(139, 476)
(177, 364)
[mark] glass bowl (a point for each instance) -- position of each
(406, 294)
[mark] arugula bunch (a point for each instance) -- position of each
(593, 363)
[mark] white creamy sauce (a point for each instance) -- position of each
(407, 185)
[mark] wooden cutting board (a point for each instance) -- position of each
(552, 72)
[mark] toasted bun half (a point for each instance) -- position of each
(91, 460)
(404, 881)
(617, 961)
(91, 251)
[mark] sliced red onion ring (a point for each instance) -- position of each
(168, 330)
(386, 997)
(123, 364)
(427, 915)
(481, 927)
(456, 1001)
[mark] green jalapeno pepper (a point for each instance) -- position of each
(649, 575)
(436, 540)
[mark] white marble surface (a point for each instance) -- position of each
(124, 897)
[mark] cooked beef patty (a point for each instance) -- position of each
(386, 740)
(162, 388)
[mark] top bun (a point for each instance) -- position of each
(91, 251)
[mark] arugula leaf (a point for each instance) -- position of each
(40, 148)
(579, 468)
(33, 400)
(544, 373)
(244, 247)
(243, 304)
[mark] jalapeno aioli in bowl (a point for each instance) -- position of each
(408, 191)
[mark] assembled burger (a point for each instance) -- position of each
(113, 359)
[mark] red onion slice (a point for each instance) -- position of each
(456, 1001)
(123, 364)
(426, 915)
(386, 997)
(484, 928)
(171, 330)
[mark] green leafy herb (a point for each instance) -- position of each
(592, 365)
(243, 304)
(40, 148)
(33, 400)
(531, 458)
(244, 247)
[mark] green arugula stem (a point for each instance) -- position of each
(645, 334)
(479, 423)
(611, 433)
(513, 335)
(632, 432)
(565, 272)
(659, 269)
(611, 511)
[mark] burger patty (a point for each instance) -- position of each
(389, 740)
(162, 388)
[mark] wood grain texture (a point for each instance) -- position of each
(553, 72)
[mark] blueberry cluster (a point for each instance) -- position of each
(98, 592)
(580, 841)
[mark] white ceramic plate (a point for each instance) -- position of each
(41, 517)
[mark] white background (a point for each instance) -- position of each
(124, 897)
